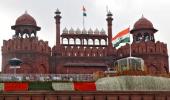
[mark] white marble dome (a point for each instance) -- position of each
(71, 31)
(96, 32)
(102, 32)
(84, 31)
(65, 30)
(78, 31)
(90, 31)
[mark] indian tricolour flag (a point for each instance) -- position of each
(121, 37)
(84, 12)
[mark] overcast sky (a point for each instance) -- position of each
(125, 13)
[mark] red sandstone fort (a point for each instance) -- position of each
(80, 51)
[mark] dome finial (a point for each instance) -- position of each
(109, 14)
(57, 12)
(142, 16)
(26, 12)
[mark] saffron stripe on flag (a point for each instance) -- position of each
(122, 33)
(84, 9)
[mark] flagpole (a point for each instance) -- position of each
(130, 49)
(83, 22)
(84, 15)
(107, 9)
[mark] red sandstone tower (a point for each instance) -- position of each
(57, 47)
(25, 45)
(154, 53)
(109, 28)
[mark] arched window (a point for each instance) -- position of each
(103, 42)
(96, 41)
(71, 41)
(90, 42)
(152, 38)
(26, 33)
(146, 36)
(139, 37)
(65, 41)
(78, 41)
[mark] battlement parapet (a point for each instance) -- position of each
(142, 48)
(81, 51)
(25, 44)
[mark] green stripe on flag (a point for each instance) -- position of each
(127, 39)
(84, 14)
(122, 40)
(117, 44)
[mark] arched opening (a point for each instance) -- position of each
(71, 41)
(139, 37)
(25, 33)
(33, 34)
(65, 41)
(152, 38)
(17, 33)
(103, 42)
(77, 41)
(90, 42)
(146, 36)
(96, 41)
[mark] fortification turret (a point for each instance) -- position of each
(143, 30)
(144, 46)
(26, 46)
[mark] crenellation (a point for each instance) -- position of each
(149, 51)
(26, 44)
(134, 49)
(144, 48)
(83, 51)
(150, 47)
(161, 48)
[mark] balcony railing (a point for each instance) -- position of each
(46, 77)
